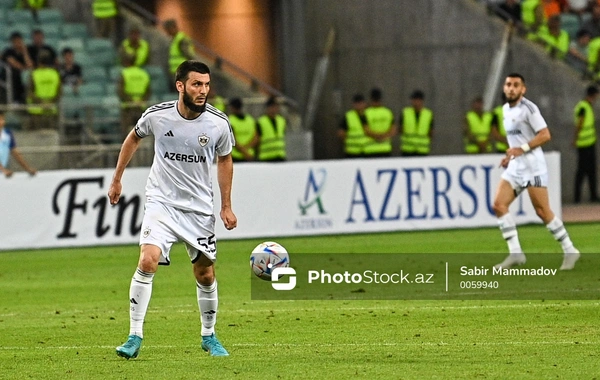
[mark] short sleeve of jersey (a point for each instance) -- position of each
(143, 128)
(226, 141)
(535, 118)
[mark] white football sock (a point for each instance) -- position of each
(140, 292)
(508, 227)
(208, 303)
(558, 230)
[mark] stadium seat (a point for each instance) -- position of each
(50, 16)
(102, 50)
(155, 71)
(50, 30)
(86, 60)
(96, 74)
(75, 30)
(92, 89)
(24, 29)
(95, 45)
(111, 88)
(74, 43)
(114, 72)
(570, 23)
(167, 97)
(2, 15)
(19, 16)
(159, 86)
(8, 4)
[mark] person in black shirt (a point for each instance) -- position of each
(38, 44)
(17, 57)
(70, 71)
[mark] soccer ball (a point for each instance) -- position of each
(267, 256)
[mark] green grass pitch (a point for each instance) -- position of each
(63, 312)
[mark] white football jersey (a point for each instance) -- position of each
(184, 152)
(522, 122)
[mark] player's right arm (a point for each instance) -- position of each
(130, 145)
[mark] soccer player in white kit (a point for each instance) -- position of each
(188, 133)
(526, 132)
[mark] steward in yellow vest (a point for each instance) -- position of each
(585, 141)
(44, 93)
(181, 48)
(271, 127)
(351, 129)
(532, 16)
(136, 47)
(244, 132)
(554, 38)
(217, 101)
(498, 131)
(105, 15)
(417, 127)
(380, 129)
(134, 90)
(477, 129)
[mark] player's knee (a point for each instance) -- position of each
(149, 259)
(204, 275)
(499, 208)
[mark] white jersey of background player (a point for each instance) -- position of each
(526, 132)
(188, 134)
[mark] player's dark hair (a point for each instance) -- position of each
(516, 75)
(592, 90)
(186, 67)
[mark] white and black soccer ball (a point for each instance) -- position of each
(266, 257)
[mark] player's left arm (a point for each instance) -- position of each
(225, 179)
(542, 137)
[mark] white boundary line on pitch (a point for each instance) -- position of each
(393, 344)
(192, 308)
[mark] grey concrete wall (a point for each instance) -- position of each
(443, 47)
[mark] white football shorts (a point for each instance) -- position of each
(522, 180)
(163, 226)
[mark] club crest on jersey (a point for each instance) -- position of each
(203, 140)
(146, 232)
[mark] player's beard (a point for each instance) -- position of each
(189, 102)
(513, 99)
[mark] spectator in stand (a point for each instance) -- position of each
(17, 57)
(8, 147)
(70, 71)
(136, 47)
(44, 94)
(510, 11)
(579, 51)
(37, 45)
(554, 38)
(593, 24)
(134, 91)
